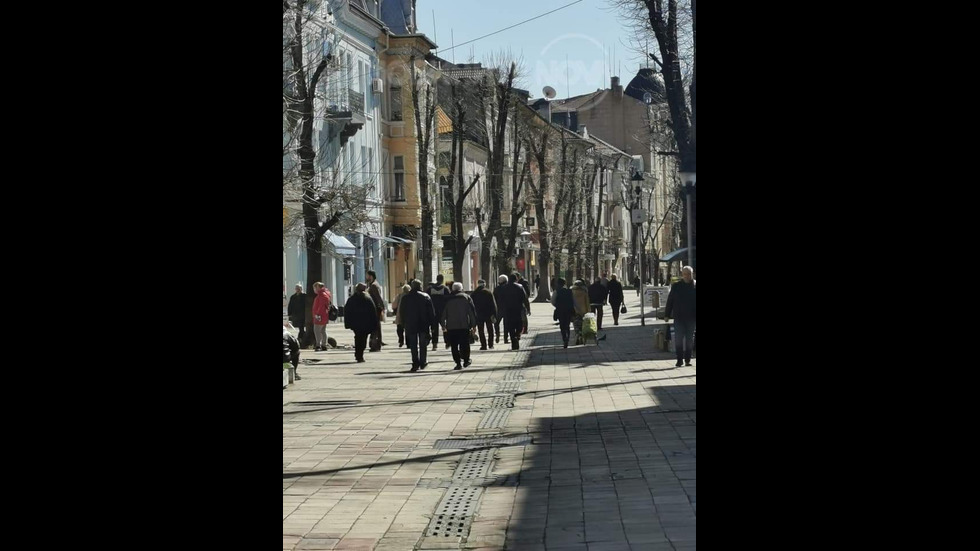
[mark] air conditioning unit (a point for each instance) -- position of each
(377, 85)
(390, 253)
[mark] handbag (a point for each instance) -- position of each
(623, 309)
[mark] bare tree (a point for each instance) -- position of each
(674, 30)
(457, 189)
(537, 136)
(496, 100)
(326, 191)
(423, 93)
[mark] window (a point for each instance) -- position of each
(360, 78)
(348, 77)
(399, 192)
(396, 100)
(350, 165)
(363, 169)
(447, 200)
(372, 178)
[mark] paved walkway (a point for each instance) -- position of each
(585, 449)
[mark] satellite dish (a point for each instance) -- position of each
(549, 92)
(647, 98)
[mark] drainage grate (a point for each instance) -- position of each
(497, 402)
(447, 526)
(455, 514)
(468, 443)
(513, 375)
(474, 465)
(509, 386)
(494, 419)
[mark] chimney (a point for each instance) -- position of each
(616, 87)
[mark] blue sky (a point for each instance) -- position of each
(588, 33)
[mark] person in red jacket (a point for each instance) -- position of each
(321, 315)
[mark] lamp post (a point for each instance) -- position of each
(526, 242)
(638, 215)
(690, 179)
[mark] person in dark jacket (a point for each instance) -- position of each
(564, 305)
(297, 311)
(374, 291)
(290, 352)
(399, 327)
(514, 301)
(682, 305)
(527, 293)
(598, 293)
(439, 294)
(360, 317)
(486, 312)
(459, 318)
(636, 284)
(418, 315)
(502, 282)
(616, 298)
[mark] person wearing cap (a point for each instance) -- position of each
(297, 311)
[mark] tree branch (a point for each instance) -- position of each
(319, 71)
(472, 185)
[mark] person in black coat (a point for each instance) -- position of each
(598, 293)
(498, 295)
(514, 302)
(564, 309)
(360, 317)
(418, 315)
(682, 305)
(616, 298)
(439, 294)
(486, 312)
(297, 311)
(527, 295)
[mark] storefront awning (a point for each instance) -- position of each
(679, 254)
(340, 243)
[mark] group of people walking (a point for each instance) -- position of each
(420, 316)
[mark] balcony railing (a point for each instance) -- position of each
(356, 101)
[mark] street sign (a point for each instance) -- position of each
(530, 221)
(639, 216)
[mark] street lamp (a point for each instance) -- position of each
(526, 241)
(690, 179)
(638, 215)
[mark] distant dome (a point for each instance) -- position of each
(647, 80)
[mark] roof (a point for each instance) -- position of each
(576, 102)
